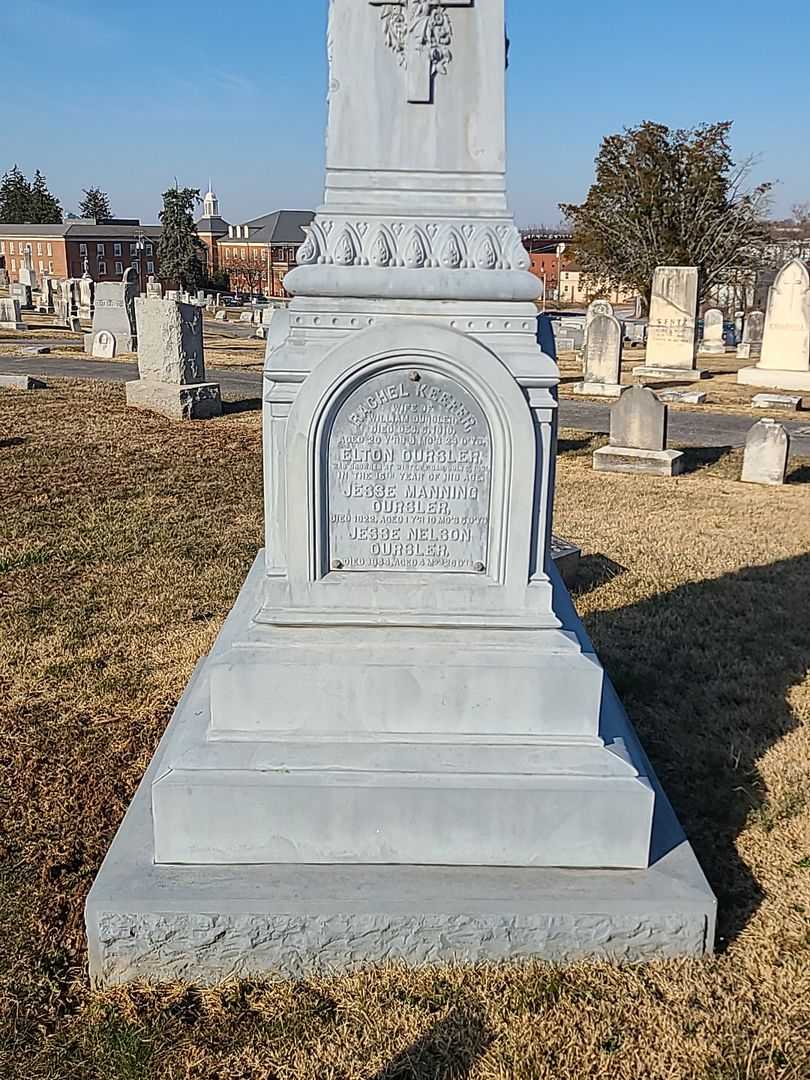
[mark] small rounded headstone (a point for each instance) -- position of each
(767, 449)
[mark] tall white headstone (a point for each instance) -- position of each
(403, 714)
(785, 359)
(672, 329)
(713, 343)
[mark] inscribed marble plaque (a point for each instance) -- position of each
(410, 471)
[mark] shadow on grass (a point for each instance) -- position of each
(799, 475)
(701, 457)
(705, 672)
(15, 441)
(231, 408)
(569, 446)
(449, 1051)
(594, 571)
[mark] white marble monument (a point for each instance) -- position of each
(784, 363)
(402, 743)
(672, 329)
(638, 437)
(767, 451)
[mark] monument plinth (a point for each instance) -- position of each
(402, 743)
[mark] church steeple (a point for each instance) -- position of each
(210, 203)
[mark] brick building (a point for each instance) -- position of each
(106, 249)
(257, 254)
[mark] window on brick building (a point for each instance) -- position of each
(150, 250)
(244, 253)
(119, 268)
(150, 268)
(100, 251)
(102, 268)
(50, 267)
(2, 247)
(82, 249)
(50, 249)
(41, 267)
(13, 264)
(39, 249)
(117, 249)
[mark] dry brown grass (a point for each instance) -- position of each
(125, 539)
(724, 393)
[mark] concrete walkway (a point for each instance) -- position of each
(687, 427)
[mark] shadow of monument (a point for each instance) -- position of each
(567, 446)
(593, 571)
(447, 1052)
(799, 475)
(698, 457)
(231, 408)
(704, 672)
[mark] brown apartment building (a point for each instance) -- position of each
(256, 255)
(105, 249)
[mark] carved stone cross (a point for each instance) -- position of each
(421, 39)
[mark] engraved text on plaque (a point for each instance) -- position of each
(410, 467)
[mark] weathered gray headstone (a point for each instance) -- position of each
(45, 299)
(596, 307)
(638, 437)
(171, 362)
(785, 359)
(10, 315)
(672, 327)
(114, 312)
(22, 294)
(767, 449)
(221, 316)
(713, 341)
(751, 345)
(603, 358)
(22, 382)
(87, 289)
(26, 273)
(790, 402)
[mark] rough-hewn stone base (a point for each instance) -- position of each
(684, 375)
(777, 379)
(625, 459)
(199, 401)
(209, 923)
(22, 382)
(13, 326)
(596, 389)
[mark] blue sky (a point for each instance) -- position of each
(131, 95)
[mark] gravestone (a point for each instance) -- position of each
(104, 345)
(114, 313)
(603, 358)
(402, 744)
(171, 362)
(713, 343)
(790, 402)
(751, 345)
(45, 299)
(767, 449)
(10, 315)
(221, 316)
(26, 273)
(638, 437)
(672, 326)
(154, 289)
(22, 382)
(22, 294)
(784, 363)
(87, 291)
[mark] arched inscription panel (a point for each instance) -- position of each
(410, 475)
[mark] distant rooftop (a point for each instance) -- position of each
(280, 227)
(84, 228)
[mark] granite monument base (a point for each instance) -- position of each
(627, 459)
(684, 375)
(597, 389)
(208, 923)
(776, 378)
(197, 401)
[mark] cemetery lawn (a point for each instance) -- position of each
(125, 540)
(723, 392)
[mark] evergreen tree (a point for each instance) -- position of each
(181, 252)
(95, 204)
(15, 198)
(667, 198)
(45, 208)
